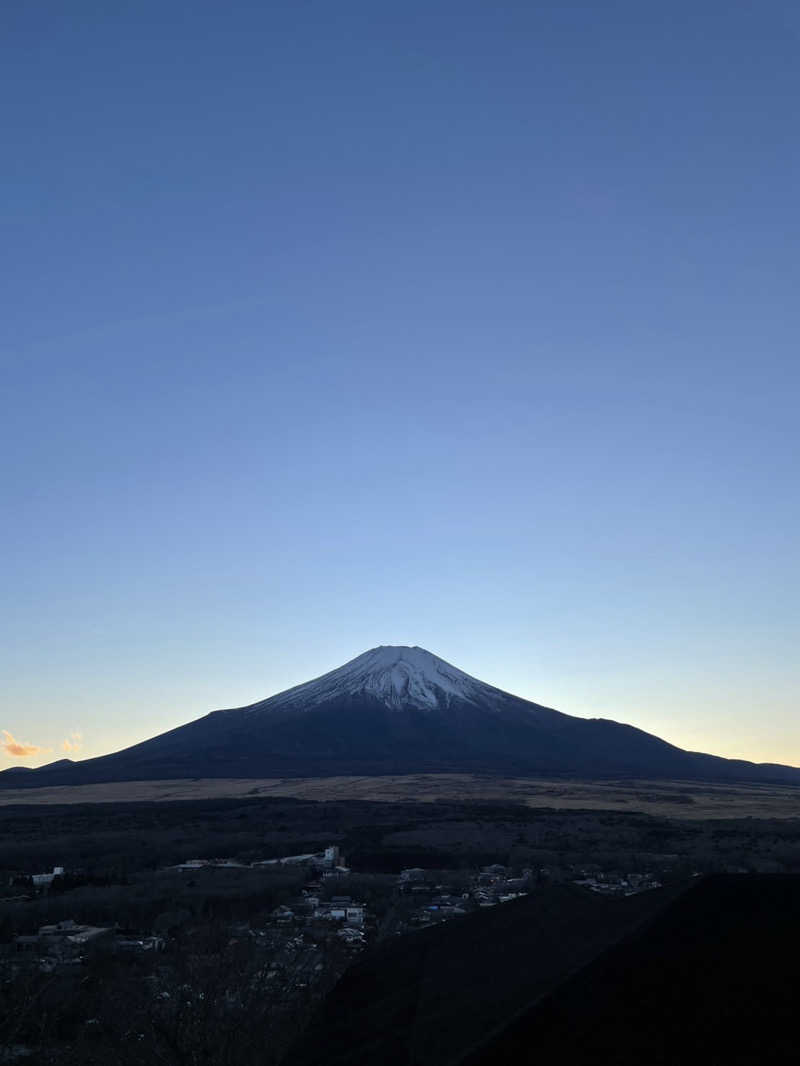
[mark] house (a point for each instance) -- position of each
(516, 884)
(206, 864)
(66, 938)
(45, 880)
(145, 943)
(289, 860)
(336, 872)
(495, 870)
(350, 935)
(27, 943)
(413, 873)
(72, 933)
(447, 901)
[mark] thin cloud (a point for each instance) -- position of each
(16, 748)
(73, 743)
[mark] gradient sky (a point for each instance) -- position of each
(470, 325)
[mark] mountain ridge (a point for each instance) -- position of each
(399, 710)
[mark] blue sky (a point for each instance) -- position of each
(466, 325)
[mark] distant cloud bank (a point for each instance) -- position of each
(21, 749)
(16, 748)
(73, 743)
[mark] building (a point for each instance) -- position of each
(290, 860)
(421, 889)
(206, 864)
(495, 870)
(283, 915)
(351, 935)
(66, 939)
(27, 942)
(329, 859)
(145, 943)
(45, 880)
(516, 884)
(413, 873)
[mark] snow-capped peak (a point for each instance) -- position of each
(397, 676)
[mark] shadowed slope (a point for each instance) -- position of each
(427, 997)
(711, 980)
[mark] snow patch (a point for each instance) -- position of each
(397, 676)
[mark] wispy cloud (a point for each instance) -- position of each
(18, 749)
(74, 742)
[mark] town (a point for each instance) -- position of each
(321, 917)
(163, 932)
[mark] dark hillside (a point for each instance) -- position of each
(711, 980)
(428, 997)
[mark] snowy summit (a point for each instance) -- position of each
(397, 676)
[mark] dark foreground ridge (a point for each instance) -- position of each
(397, 710)
(704, 975)
(429, 997)
(711, 980)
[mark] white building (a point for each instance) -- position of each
(44, 880)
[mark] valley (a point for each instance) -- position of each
(250, 929)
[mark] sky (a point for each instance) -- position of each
(470, 325)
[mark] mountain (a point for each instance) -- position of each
(398, 710)
(59, 764)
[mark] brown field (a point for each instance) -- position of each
(677, 799)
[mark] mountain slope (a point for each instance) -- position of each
(710, 980)
(428, 997)
(396, 710)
